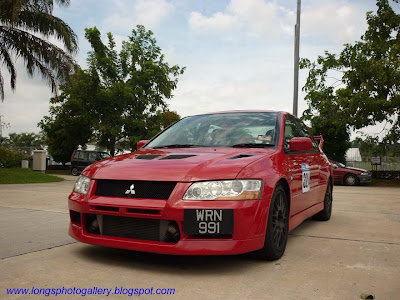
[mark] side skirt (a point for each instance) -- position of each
(298, 218)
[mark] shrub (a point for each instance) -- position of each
(11, 158)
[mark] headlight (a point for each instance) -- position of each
(364, 173)
(82, 185)
(224, 190)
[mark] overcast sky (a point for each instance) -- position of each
(238, 53)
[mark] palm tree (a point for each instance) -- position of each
(25, 26)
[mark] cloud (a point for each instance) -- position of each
(258, 17)
(127, 14)
(340, 21)
(218, 22)
(224, 94)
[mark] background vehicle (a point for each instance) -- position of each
(80, 159)
(348, 175)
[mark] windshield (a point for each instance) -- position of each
(256, 129)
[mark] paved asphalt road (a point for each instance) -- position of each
(357, 251)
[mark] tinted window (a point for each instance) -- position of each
(83, 155)
(76, 154)
(92, 156)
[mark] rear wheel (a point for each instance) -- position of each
(74, 171)
(351, 179)
(325, 214)
(277, 227)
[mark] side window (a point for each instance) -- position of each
(305, 133)
(76, 154)
(104, 155)
(83, 155)
(92, 156)
(291, 130)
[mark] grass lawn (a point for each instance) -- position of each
(59, 172)
(25, 176)
(385, 182)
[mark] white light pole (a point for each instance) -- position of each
(296, 59)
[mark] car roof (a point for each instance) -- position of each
(240, 111)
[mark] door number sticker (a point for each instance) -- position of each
(305, 171)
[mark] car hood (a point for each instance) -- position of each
(356, 169)
(183, 164)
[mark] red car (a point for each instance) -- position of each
(349, 175)
(212, 184)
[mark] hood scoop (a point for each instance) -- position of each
(177, 156)
(241, 156)
(147, 157)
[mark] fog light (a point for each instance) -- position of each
(172, 235)
(92, 225)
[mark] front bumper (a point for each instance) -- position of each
(365, 178)
(250, 218)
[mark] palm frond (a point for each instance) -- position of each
(49, 25)
(11, 9)
(5, 58)
(39, 55)
(1, 87)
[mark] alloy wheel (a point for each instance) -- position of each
(279, 221)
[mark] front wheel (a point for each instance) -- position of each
(277, 227)
(325, 214)
(351, 179)
(74, 171)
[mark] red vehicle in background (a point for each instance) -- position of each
(212, 184)
(349, 175)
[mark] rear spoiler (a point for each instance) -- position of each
(320, 140)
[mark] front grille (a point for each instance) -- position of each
(141, 229)
(134, 189)
(133, 228)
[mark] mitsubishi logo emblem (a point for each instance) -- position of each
(131, 190)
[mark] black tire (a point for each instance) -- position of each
(277, 227)
(325, 214)
(351, 179)
(74, 171)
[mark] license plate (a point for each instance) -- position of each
(208, 221)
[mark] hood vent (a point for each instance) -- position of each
(241, 156)
(148, 156)
(177, 156)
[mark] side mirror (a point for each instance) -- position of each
(141, 143)
(300, 144)
(320, 140)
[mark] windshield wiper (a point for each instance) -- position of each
(177, 146)
(252, 145)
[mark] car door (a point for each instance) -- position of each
(296, 165)
(315, 160)
(83, 160)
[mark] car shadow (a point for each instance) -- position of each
(173, 264)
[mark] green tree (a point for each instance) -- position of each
(25, 26)
(68, 126)
(368, 88)
(123, 95)
(25, 139)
